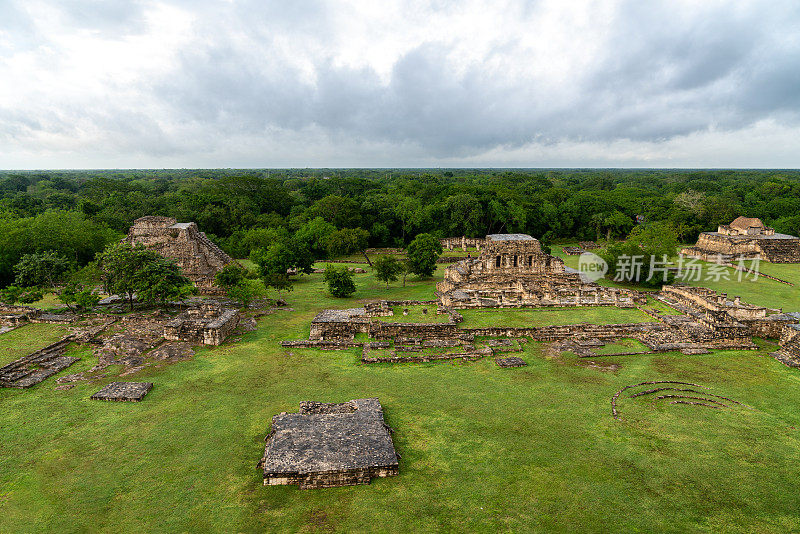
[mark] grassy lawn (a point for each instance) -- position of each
(26, 339)
(415, 315)
(529, 317)
(49, 302)
(483, 448)
(623, 345)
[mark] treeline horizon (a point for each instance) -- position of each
(338, 211)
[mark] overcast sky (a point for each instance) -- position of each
(562, 83)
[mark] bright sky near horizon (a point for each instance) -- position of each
(359, 83)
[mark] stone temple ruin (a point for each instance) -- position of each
(513, 271)
(328, 445)
(197, 256)
(745, 238)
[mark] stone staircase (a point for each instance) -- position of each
(789, 353)
(213, 248)
(36, 367)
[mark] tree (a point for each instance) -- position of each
(314, 235)
(617, 223)
(340, 281)
(128, 270)
(229, 276)
(387, 268)
(281, 282)
(422, 253)
(232, 278)
(281, 257)
(41, 269)
(78, 297)
(160, 281)
(346, 241)
(641, 259)
(24, 295)
(278, 259)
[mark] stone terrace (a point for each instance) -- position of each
(328, 445)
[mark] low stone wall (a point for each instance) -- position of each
(12, 316)
(428, 358)
(379, 251)
(560, 332)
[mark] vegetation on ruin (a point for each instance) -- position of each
(483, 449)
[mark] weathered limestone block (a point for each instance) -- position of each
(123, 391)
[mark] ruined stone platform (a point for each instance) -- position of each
(124, 391)
(37, 366)
(511, 361)
(327, 445)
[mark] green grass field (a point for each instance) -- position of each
(415, 315)
(531, 317)
(483, 448)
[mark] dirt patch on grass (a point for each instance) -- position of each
(555, 353)
(319, 521)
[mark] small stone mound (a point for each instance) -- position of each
(124, 391)
(511, 361)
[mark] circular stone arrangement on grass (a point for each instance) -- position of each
(673, 392)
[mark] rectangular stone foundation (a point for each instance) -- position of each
(329, 445)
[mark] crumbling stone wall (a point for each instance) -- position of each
(713, 303)
(197, 256)
(12, 316)
(463, 242)
(209, 325)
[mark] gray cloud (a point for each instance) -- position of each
(256, 70)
